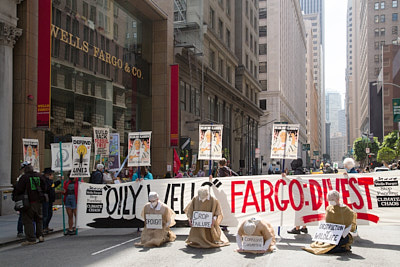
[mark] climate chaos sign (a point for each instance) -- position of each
(300, 200)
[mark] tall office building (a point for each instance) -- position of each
(313, 10)
(282, 70)
(352, 99)
(216, 47)
(333, 106)
(379, 25)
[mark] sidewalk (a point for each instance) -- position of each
(8, 227)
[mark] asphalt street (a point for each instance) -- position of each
(375, 246)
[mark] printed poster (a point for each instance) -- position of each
(210, 142)
(285, 140)
(31, 152)
(114, 160)
(101, 137)
(65, 156)
(81, 156)
(139, 149)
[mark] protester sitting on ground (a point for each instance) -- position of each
(201, 237)
(70, 201)
(35, 185)
(336, 213)
(256, 227)
(48, 205)
(97, 175)
(152, 236)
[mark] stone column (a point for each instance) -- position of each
(8, 34)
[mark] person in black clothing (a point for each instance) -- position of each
(48, 205)
(225, 171)
(97, 175)
(328, 168)
(35, 185)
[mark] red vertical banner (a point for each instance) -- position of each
(44, 61)
(177, 162)
(174, 131)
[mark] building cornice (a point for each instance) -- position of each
(9, 34)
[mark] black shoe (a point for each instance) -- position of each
(304, 230)
(224, 228)
(294, 231)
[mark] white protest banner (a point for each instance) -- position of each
(253, 242)
(139, 149)
(202, 219)
(285, 141)
(210, 142)
(31, 152)
(329, 233)
(154, 221)
(114, 160)
(300, 199)
(101, 137)
(66, 150)
(81, 156)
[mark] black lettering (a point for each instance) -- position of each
(182, 198)
(173, 199)
(134, 197)
(167, 194)
(112, 189)
(124, 210)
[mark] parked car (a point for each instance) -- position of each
(381, 169)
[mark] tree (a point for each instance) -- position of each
(359, 146)
(386, 154)
(392, 141)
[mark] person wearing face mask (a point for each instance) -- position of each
(152, 235)
(256, 227)
(336, 213)
(202, 237)
(349, 165)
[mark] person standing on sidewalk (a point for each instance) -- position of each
(70, 200)
(35, 185)
(48, 205)
(97, 175)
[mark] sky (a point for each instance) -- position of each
(335, 46)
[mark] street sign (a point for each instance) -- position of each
(367, 150)
(396, 109)
(257, 153)
(315, 152)
(306, 147)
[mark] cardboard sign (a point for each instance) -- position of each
(81, 156)
(285, 141)
(329, 233)
(64, 156)
(154, 221)
(253, 242)
(31, 152)
(202, 219)
(210, 142)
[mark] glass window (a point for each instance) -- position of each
(192, 100)
(228, 38)
(376, 18)
(221, 29)
(382, 31)
(394, 16)
(383, 5)
(212, 60)
(376, 31)
(376, 6)
(394, 3)
(262, 13)
(263, 31)
(262, 67)
(212, 18)
(263, 104)
(263, 49)
(228, 7)
(394, 30)
(382, 18)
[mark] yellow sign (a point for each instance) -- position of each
(75, 41)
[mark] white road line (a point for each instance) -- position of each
(123, 243)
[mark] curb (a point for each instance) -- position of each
(20, 240)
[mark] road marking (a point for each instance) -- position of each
(123, 243)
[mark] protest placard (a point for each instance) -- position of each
(202, 219)
(210, 142)
(253, 243)
(65, 155)
(285, 141)
(31, 152)
(139, 149)
(154, 221)
(329, 233)
(81, 147)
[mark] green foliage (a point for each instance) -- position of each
(359, 146)
(386, 154)
(390, 140)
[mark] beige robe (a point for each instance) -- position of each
(263, 229)
(206, 237)
(157, 237)
(338, 215)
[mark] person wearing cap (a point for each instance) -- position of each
(97, 175)
(155, 232)
(203, 237)
(48, 205)
(34, 184)
(256, 227)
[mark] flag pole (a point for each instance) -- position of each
(62, 183)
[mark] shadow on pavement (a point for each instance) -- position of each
(347, 256)
(198, 253)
